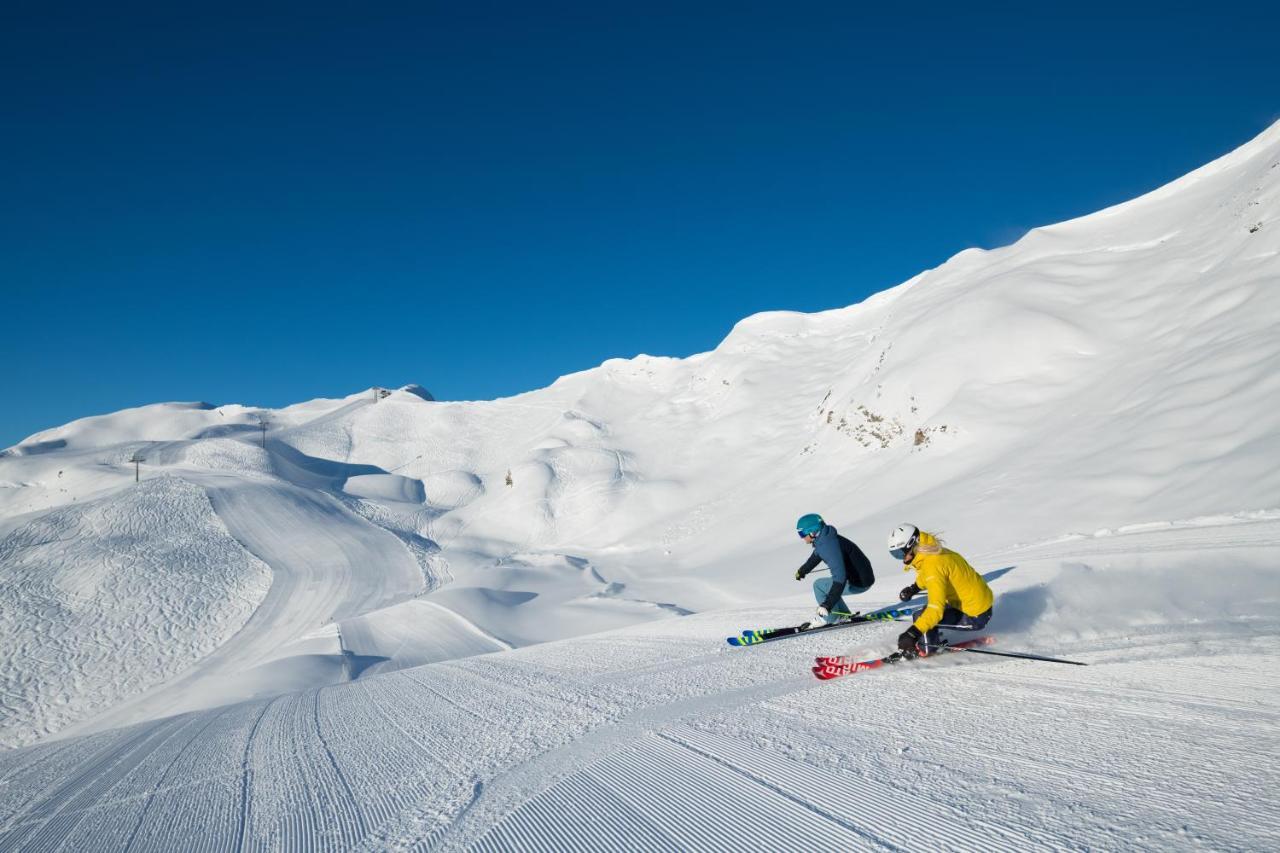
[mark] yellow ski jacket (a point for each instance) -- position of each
(949, 581)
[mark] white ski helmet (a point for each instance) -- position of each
(903, 538)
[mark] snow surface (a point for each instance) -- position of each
(1091, 409)
(662, 737)
(107, 598)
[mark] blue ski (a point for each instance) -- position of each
(767, 635)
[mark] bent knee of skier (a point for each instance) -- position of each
(955, 620)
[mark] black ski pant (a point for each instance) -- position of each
(957, 620)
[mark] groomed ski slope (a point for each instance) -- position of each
(662, 737)
(327, 564)
(101, 602)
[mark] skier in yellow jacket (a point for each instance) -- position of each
(958, 596)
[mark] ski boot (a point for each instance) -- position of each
(931, 643)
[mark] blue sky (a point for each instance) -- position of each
(268, 206)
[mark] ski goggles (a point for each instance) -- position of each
(803, 533)
(899, 553)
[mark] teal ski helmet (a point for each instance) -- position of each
(809, 524)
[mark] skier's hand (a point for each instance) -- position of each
(908, 592)
(907, 640)
(800, 574)
(822, 612)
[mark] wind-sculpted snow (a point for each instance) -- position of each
(662, 737)
(409, 525)
(102, 600)
(410, 634)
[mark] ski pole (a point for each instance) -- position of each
(888, 616)
(1023, 655)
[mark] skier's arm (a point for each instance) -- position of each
(809, 565)
(934, 587)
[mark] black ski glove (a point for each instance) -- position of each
(907, 640)
(908, 592)
(800, 573)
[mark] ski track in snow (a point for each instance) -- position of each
(344, 565)
(1214, 534)
(103, 600)
(656, 738)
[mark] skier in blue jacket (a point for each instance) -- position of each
(850, 569)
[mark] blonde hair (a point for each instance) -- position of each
(934, 547)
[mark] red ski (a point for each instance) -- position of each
(834, 667)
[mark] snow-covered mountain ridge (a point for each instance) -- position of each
(1089, 404)
(1148, 292)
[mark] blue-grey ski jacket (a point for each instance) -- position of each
(849, 566)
